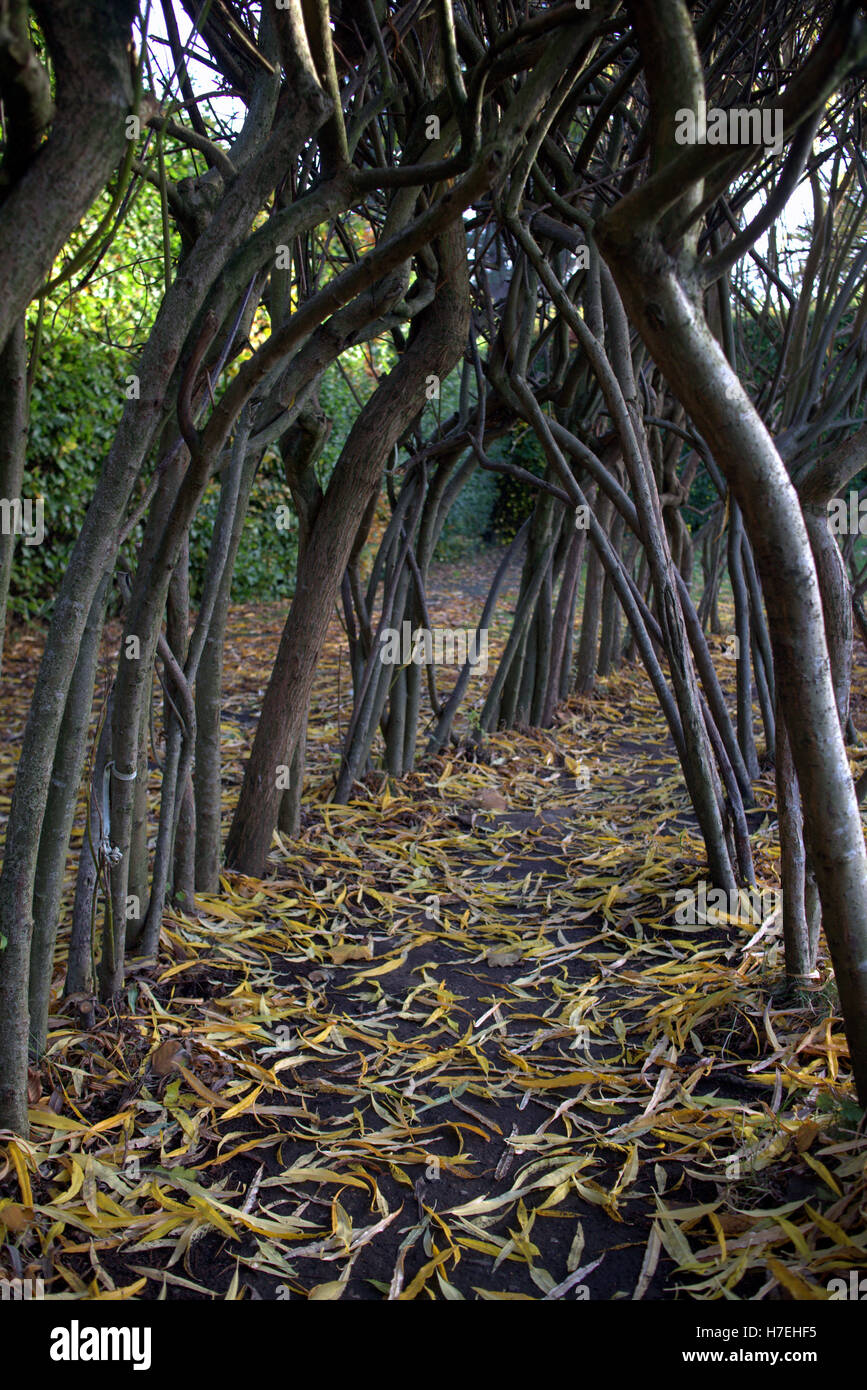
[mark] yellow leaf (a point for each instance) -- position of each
(381, 969)
(120, 1295)
(797, 1287)
(423, 1275)
(319, 1175)
(342, 953)
(829, 1228)
(213, 907)
(243, 1104)
(341, 1225)
(819, 1167)
(75, 1183)
(213, 1217)
(20, 1166)
(331, 1291)
(566, 1080)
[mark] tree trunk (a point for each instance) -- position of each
(435, 348)
(56, 827)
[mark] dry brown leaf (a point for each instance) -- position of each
(805, 1136)
(341, 954)
(167, 1057)
(16, 1217)
(734, 1225)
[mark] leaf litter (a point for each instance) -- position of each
(455, 1046)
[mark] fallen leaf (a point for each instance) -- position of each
(167, 1057)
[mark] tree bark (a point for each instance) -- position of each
(89, 48)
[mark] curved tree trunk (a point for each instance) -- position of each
(435, 348)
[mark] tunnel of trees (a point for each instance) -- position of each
(302, 302)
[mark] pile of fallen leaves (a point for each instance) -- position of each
(455, 1046)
